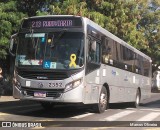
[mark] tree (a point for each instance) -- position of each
(119, 17)
(151, 23)
(10, 20)
(30, 7)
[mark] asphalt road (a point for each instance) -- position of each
(27, 114)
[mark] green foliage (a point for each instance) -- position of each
(31, 6)
(72, 7)
(151, 23)
(10, 20)
(118, 16)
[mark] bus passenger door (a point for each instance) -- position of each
(92, 71)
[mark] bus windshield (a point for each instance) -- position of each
(54, 50)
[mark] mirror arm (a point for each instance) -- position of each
(12, 54)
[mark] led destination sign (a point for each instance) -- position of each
(54, 22)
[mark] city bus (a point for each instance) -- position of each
(66, 59)
(156, 82)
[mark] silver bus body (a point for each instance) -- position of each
(121, 84)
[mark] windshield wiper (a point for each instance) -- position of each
(36, 48)
(32, 39)
(58, 38)
(34, 43)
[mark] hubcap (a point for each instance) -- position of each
(137, 100)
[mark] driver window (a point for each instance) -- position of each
(93, 55)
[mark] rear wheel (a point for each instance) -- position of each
(103, 101)
(47, 105)
(137, 100)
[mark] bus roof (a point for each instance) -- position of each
(46, 16)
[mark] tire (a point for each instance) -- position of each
(103, 101)
(47, 105)
(137, 100)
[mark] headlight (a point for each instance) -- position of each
(73, 85)
(16, 83)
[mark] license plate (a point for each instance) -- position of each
(40, 94)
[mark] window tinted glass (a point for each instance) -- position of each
(94, 56)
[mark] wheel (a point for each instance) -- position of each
(47, 105)
(137, 100)
(103, 101)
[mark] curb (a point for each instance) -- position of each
(7, 98)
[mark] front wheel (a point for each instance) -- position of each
(103, 101)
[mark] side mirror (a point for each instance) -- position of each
(12, 47)
(93, 45)
(11, 44)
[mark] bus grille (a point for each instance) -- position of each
(55, 93)
(43, 75)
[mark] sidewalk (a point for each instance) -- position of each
(7, 98)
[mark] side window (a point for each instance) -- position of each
(118, 52)
(93, 51)
(114, 50)
(128, 59)
(106, 50)
(140, 64)
(146, 66)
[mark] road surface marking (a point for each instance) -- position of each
(3, 114)
(37, 128)
(118, 115)
(152, 129)
(131, 108)
(81, 116)
(149, 117)
(99, 128)
(154, 110)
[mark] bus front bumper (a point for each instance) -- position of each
(72, 96)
